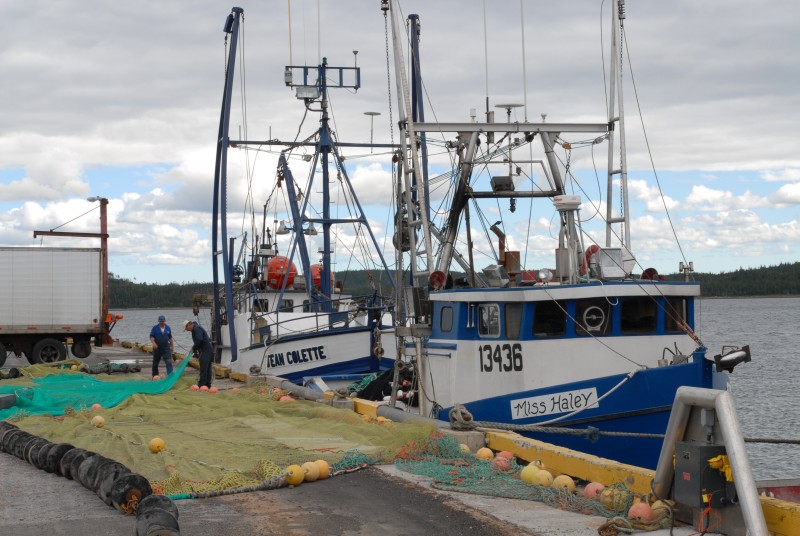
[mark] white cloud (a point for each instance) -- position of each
(781, 175)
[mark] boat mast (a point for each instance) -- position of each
(615, 98)
(408, 141)
(220, 208)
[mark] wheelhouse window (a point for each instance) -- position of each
(639, 315)
(489, 320)
(676, 313)
(513, 320)
(286, 306)
(592, 317)
(446, 320)
(550, 319)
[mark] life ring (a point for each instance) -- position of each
(593, 318)
(591, 250)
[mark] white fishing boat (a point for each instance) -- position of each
(595, 345)
(269, 317)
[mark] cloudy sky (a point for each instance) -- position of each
(121, 100)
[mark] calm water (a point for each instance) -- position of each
(136, 325)
(764, 389)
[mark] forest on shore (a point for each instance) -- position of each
(781, 280)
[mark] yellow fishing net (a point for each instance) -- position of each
(231, 439)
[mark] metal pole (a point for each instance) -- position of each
(104, 248)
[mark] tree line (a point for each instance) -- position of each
(780, 280)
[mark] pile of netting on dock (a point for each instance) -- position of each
(233, 439)
(452, 467)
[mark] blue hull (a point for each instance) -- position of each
(642, 405)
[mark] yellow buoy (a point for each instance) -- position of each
(564, 482)
(294, 475)
(310, 471)
(73, 367)
(527, 473)
(382, 420)
(485, 453)
(543, 478)
(324, 469)
(464, 448)
(98, 421)
(157, 445)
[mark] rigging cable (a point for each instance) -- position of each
(647, 143)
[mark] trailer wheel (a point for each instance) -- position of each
(3, 354)
(48, 351)
(81, 349)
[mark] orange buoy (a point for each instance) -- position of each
(96, 407)
(641, 512)
(213, 390)
(98, 421)
(157, 445)
(195, 387)
(204, 388)
(501, 463)
(593, 490)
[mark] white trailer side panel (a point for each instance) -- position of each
(50, 289)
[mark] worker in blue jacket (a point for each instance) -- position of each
(202, 349)
(163, 345)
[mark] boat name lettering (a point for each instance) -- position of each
(551, 404)
(500, 357)
(295, 357)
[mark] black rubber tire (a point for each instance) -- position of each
(65, 465)
(54, 456)
(25, 448)
(75, 464)
(5, 427)
(157, 502)
(88, 470)
(39, 458)
(48, 350)
(129, 489)
(107, 475)
(157, 523)
(10, 439)
(81, 349)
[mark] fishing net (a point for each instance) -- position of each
(452, 469)
(236, 439)
(49, 389)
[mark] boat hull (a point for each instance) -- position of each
(638, 405)
(332, 352)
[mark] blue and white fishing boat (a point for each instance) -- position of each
(268, 316)
(595, 342)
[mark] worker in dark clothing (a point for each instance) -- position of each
(163, 345)
(202, 350)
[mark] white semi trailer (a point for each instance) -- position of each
(50, 297)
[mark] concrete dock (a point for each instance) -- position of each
(380, 500)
